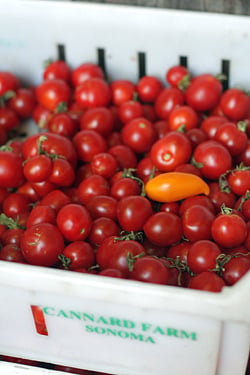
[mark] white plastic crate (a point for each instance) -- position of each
(111, 325)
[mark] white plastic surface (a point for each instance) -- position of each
(117, 326)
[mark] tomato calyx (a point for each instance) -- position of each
(244, 198)
(181, 267)
(61, 108)
(226, 210)
(65, 261)
(9, 222)
(5, 97)
(184, 82)
(242, 126)
(131, 260)
(132, 235)
(223, 182)
(196, 163)
(41, 151)
(129, 173)
(223, 259)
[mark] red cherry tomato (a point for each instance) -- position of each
(52, 92)
(170, 151)
(203, 93)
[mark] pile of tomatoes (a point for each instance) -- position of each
(146, 181)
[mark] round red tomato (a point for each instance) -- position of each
(163, 228)
(212, 158)
(202, 256)
(235, 104)
(100, 119)
(11, 170)
(122, 91)
(149, 270)
(139, 135)
(23, 102)
(133, 211)
(170, 151)
(58, 69)
(52, 92)
(89, 143)
(41, 244)
(85, 71)
(74, 222)
(208, 281)
(167, 100)
(94, 92)
(148, 88)
(229, 230)
(204, 92)
(183, 117)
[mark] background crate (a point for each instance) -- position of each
(125, 328)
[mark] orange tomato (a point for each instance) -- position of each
(174, 186)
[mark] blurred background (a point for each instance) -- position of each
(240, 7)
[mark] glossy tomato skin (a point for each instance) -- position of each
(74, 222)
(197, 221)
(124, 187)
(122, 91)
(8, 82)
(202, 256)
(23, 103)
(63, 124)
(102, 206)
(207, 281)
(41, 214)
(234, 139)
(85, 71)
(212, 158)
(104, 164)
(105, 251)
(167, 100)
(8, 119)
(149, 87)
(204, 92)
(101, 228)
(94, 92)
(129, 110)
(175, 74)
(224, 228)
(100, 119)
(89, 143)
(125, 250)
(149, 270)
(37, 247)
(235, 269)
(139, 135)
(235, 104)
(16, 204)
(92, 186)
(51, 93)
(163, 229)
(12, 253)
(52, 143)
(133, 211)
(37, 168)
(183, 117)
(211, 124)
(239, 181)
(11, 170)
(125, 156)
(170, 151)
(219, 197)
(57, 69)
(80, 255)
